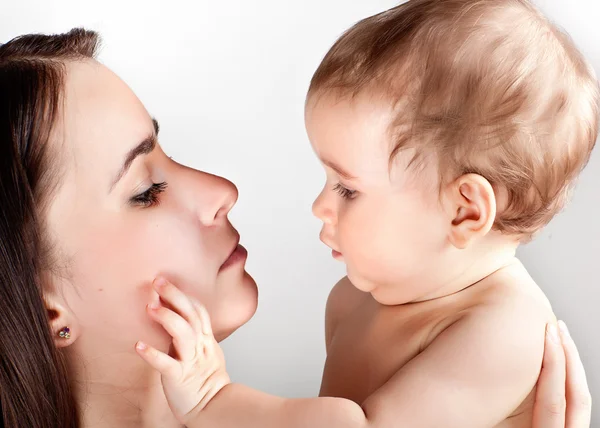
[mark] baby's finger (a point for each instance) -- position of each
(184, 339)
(579, 399)
(549, 408)
(178, 300)
(160, 361)
(204, 318)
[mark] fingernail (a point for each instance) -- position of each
(563, 328)
(160, 282)
(553, 333)
(141, 346)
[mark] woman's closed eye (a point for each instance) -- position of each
(150, 197)
(344, 191)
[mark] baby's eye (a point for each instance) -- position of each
(344, 191)
(150, 197)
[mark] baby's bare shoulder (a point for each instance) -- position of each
(344, 295)
(508, 306)
(511, 308)
(343, 299)
(514, 291)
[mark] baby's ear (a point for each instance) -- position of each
(472, 204)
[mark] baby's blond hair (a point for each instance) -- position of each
(485, 86)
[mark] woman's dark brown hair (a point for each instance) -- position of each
(35, 390)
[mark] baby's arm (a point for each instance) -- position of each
(198, 388)
(466, 378)
(239, 406)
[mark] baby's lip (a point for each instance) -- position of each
(337, 255)
(325, 241)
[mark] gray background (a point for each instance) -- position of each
(227, 80)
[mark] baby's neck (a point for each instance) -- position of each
(484, 263)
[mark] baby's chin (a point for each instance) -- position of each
(391, 293)
(360, 282)
(237, 311)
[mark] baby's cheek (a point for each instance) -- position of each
(362, 236)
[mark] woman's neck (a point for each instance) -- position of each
(119, 390)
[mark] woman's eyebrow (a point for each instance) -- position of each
(143, 148)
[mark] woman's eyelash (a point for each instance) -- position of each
(344, 192)
(150, 197)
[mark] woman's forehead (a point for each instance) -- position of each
(102, 116)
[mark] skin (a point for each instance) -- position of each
(391, 231)
(114, 246)
(427, 275)
(186, 238)
(428, 272)
(562, 399)
(563, 396)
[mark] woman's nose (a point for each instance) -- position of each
(219, 197)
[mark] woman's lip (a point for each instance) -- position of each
(336, 255)
(238, 255)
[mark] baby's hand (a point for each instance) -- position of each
(194, 371)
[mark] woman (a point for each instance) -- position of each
(91, 211)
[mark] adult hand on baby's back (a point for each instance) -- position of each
(563, 398)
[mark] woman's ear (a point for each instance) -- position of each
(63, 326)
(472, 204)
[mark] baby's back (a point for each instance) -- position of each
(367, 343)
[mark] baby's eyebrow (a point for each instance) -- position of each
(339, 170)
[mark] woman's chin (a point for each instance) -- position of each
(239, 311)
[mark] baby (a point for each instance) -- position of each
(451, 131)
